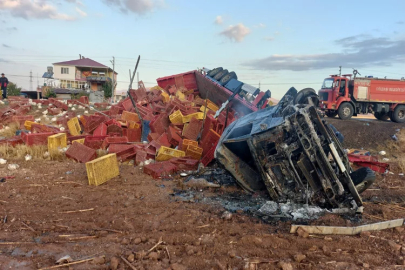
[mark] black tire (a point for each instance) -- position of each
(381, 116)
(231, 75)
(303, 96)
(345, 111)
(221, 74)
(214, 72)
(398, 115)
(363, 178)
(331, 114)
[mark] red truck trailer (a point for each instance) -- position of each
(347, 97)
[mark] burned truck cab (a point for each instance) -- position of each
(290, 152)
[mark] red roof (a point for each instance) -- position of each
(84, 62)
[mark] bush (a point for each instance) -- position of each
(50, 93)
(13, 89)
(77, 96)
(107, 89)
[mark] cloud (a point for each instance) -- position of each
(236, 32)
(357, 51)
(260, 25)
(268, 38)
(139, 7)
(219, 20)
(33, 9)
(401, 22)
(6, 46)
(2, 60)
(81, 12)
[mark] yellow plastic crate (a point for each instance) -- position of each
(188, 92)
(74, 126)
(186, 143)
(198, 115)
(166, 97)
(194, 152)
(166, 153)
(134, 125)
(102, 169)
(211, 105)
(156, 87)
(176, 117)
(28, 124)
(57, 141)
(79, 141)
(180, 95)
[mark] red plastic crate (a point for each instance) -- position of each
(209, 156)
(117, 147)
(160, 124)
(160, 169)
(152, 137)
(152, 148)
(54, 111)
(126, 154)
(185, 163)
(140, 157)
(38, 128)
(173, 137)
(109, 140)
(13, 141)
(101, 130)
(36, 138)
(94, 142)
(127, 104)
(22, 118)
(163, 140)
(134, 134)
(209, 140)
(192, 130)
(81, 153)
(84, 100)
(114, 129)
(93, 122)
(73, 138)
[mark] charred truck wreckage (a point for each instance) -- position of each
(294, 154)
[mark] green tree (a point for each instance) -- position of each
(13, 89)
(50, 93)
(107, 89)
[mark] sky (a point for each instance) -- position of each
(277, 44)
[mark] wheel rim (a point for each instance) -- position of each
(346, 111)
(401, 114)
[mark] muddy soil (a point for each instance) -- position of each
(48, 211)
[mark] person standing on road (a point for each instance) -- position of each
(3, 85)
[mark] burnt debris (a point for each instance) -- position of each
(288, 150)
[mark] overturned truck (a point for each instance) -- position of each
(294, 154)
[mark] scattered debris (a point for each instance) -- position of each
(13, 167)
(200, 183)
(348, 230)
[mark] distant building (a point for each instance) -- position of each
(83, 73)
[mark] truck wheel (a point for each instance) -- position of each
(220, 74)
(231, 75)
(214, 72)
(331, 114)
(363, 178)
(398, 114)
(381, 116)
(345, 111)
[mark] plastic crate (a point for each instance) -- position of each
(102, 169)
(166, 153)
(163, 140)
(152, 148)
(110, 140)
(134, 125)
(198, 115)
(160, 169)
(209, 156)
(101, 130)
(81, 141)
(209, 140)
(140, 157)
(185, 143)
(28, 124)
(165, 96)
(22, 118)
(194, 152)
(134, 134)
(173, 137)
(57, 141)
(94, 142)
(192, 130)
(129, 116)
(74, 126)
(176, 117)
(185, 163)
(81, 153)
(180, 95)
(36, 138)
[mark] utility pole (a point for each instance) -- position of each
(113, 82)
(31, 80)
(340, 71)
(259, 84)
(138, 77)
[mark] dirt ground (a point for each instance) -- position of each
(48, 211)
